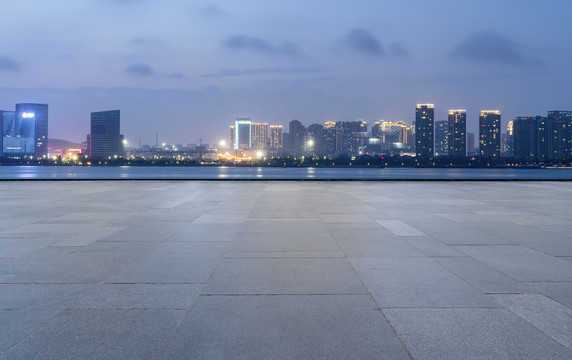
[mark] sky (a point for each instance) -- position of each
(184, 70)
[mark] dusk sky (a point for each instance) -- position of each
(186, 69)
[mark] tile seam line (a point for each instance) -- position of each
(382, 312)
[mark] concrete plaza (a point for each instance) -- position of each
(285, 270)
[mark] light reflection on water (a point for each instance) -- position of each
(267, 173)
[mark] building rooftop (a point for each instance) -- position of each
(285, 270)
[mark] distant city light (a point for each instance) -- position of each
(28, 115)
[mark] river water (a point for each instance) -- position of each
(268, 173)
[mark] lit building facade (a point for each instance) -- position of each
(276, 133)
(441, 138)
(105, 138)
(424, 127)
(457, 133)
(508, 140)
(259, 135)
(330, 137)
(489, 133)
(558, 136)
(232, 136)
(243, 133)
(24, 132)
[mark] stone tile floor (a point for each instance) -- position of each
(285, 270)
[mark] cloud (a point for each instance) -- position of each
(243, 42)
(146, 42)
(211, 11)
(397, 50)
(292, 70)
(8, 64)
(490, 47)
(361, 41)
(140, 70)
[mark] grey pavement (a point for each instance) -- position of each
(285, 270)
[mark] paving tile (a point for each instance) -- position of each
(285, 327)
(344, 218)
(416, 282)
(74, 268)
(136, 296)
(521, 263)
(206, 232)
(452, 233)
(400, 228)
(382, 247)
(483, 277)
(14, 247)
(431, 247)
(17, 324)
(284, 254)
(232, 218)
(173, 263)
(559, 291)
(101, 334)
(146, 231)
(284, 241)
(472, 334)
(284, 276)
(550, 317)
(35, 296)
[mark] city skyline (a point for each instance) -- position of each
(200, 66)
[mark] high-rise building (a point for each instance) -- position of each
(457, 129)
(105, 138)
(330, 138)
(259, 135)
(18, 133)
(276, 139)
(526, 139)
(297, 133)
(470, 143)
(424, 122)
(489, 133)
(376, 130)
(508, 141)
(315, 138)
(243, 137)
(558, 140)
(441, 138)
(28, 134)
(232, 136)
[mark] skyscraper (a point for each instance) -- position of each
(259, 135)
(508, 140)
(330, 137)
(489, 133)
(441, 138)
(243, 137)
(297, 133)
(232, 137)
(558, 135)
(457, 129)
(38, 114)
(315, 138)
(526, 141)
(105, 137)
(276, 136)
(424, 121)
